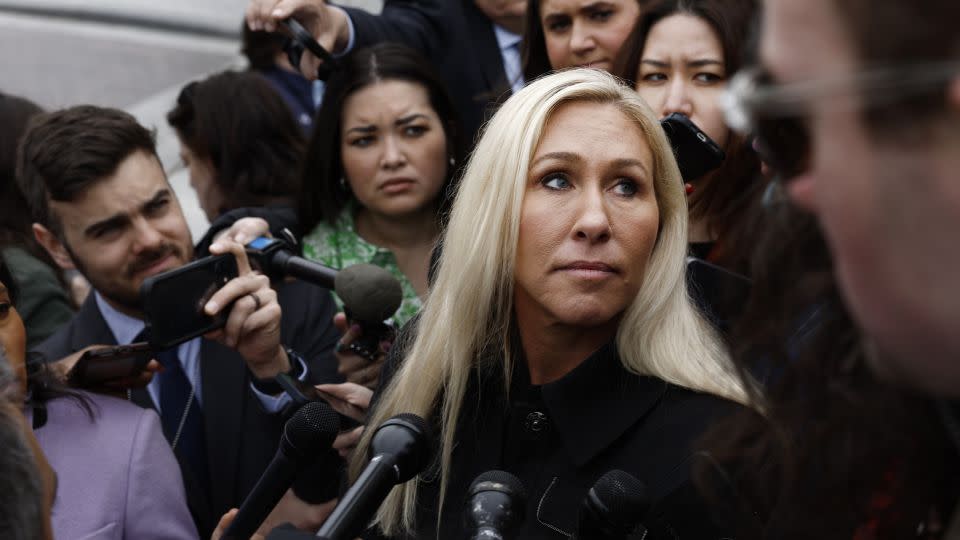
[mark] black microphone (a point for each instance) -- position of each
(370, 294)
(399, 450)
(613, 508)
(496, 503)
(308, 433)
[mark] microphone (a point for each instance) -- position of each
(370, 294)
(496, 502)
(613, 507)
(308, 432)
(399, 450)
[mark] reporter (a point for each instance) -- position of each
(680, 58)
(115, 473)
(102, 204)
(560, 34)
(558, 340)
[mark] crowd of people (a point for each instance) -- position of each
(768, 349)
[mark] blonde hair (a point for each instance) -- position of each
(467, 314)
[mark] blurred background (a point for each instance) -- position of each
(130, 54)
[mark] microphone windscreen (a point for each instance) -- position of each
(499, 481)
(371, 293)
(311, 429)
(407, 437)
(623, 496)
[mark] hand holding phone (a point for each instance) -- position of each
(109, 369)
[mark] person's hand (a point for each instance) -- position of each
(353, 367)
(346, 442)
(225, 522)
(348, 399)
(244, 230)
(290, 509)
(253, 322)
(63, 368)
(326, 23)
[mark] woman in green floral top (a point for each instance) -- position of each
(380, 164)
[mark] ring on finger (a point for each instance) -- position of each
(256, 301)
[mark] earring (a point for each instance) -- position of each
(453, 161)
(343, 183)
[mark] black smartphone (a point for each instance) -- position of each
(100, 365)
(173, 301)
(302, 393)
(696, 153)
(299, 41)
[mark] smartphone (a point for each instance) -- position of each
(696, 153)
(301, 40)
(173, 301)
(302, 393)
(97, 366)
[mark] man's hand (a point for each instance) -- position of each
(326, 23)
(253, 323)
(244, 230)
(354, 367)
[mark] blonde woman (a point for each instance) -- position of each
(558, 341)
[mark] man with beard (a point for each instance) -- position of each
(102, 204)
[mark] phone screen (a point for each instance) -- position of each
(173, 301)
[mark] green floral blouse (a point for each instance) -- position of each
(341, 246)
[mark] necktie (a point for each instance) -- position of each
(181, 416)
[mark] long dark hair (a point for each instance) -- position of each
(835, 451)
(723, 199)
(239, 122)
(323, 197)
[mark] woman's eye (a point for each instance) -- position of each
(653, 77)
(556, 181)
(414, 131)
(5, 308)
(626, 187)
(601, 15)
(708, 78)
(362, 142)
(558, 26)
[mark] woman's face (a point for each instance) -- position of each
(586, 33)
(203, 181)
(589, 218)
(682, 71)
(394, 148)
(13, 336)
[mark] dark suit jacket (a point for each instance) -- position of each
(241, 437)
(560, 438)
(457, 38)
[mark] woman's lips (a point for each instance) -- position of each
(397, 185)
(589, 269)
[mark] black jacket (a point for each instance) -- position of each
(457, 38)
(241, 437)
(559, 439)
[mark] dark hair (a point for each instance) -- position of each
(723, 199)
(65, 152)
(261, 48)
(833, 442)
(15, 219)
(21, 495)
(323, 198)
(242, 125)
(533, 48)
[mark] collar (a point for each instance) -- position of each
(598, 401)
(505, 38)
(124, 327)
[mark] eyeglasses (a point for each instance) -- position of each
(777, 114)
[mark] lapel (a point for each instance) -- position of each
(223, 383)
(90, 327)
(486, 52)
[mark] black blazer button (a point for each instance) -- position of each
(536, 422)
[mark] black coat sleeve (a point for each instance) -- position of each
(418, 24)
(308, 328)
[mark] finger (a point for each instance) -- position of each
(340, 322)
(224, 523)
(265, 317)
(348, 440)
(249, 322)
(354, 394)
(350, 335)
(241, 310)
(238, 251)
(238, 287)
(350, 364)
(369, 375)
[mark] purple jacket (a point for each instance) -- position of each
(117, 477)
